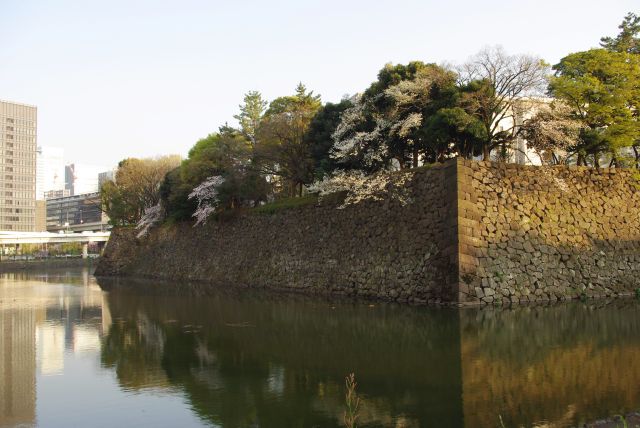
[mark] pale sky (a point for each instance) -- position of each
(120, 78)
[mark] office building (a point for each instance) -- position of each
(56, 194)
(76, 213)
(105, 176)
(82, 178)
(50, 175)
(18, 142)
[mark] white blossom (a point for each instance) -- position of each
(152, 216)
(361, 187)
(207, 195)
(404, 126)
(349, 141)
(552, 130)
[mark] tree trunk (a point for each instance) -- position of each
(637, 153)
(415, 158)
(486, 152)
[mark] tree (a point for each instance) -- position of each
(411, 103)
(226, 155)
(553, 132)
(250, 115)
(454, 131)
(207, 195)
(493, 82)
(602, 89)
(319, 133)
(412, 114)
(387, 123)
(283, 149)
(136, 187)
(627, 40)
(216, 154)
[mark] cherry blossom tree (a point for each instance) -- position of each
(360, 187)
(206, 194)
(553, 132)
(152, 216)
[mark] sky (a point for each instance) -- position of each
(136, 78)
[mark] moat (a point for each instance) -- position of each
(75, 355)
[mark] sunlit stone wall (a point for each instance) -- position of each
(546, 233)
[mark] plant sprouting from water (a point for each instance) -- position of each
(352, 402)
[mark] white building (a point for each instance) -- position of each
(49, 171)
(82, 178)
(105, 176)
(519, 152)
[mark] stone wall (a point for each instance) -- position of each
(399, 249)
(463, 232)
(547, 233)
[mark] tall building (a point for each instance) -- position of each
(82, 178)
(50, 175)
(18, 140)
(105, 176)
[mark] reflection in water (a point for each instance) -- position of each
(282, 362)
(267, 360)
(17, 372)
(37, 323)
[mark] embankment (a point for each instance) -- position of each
(463, 232)
(8, 266)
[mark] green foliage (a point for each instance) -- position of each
(319, 135)
(174, 193)
(454, 126)
(391, 75)
(227, 154)
(603, 90)
(282, 149)
(136, 188)
(390, 123)
(627, 40)
(250, 115)
(120, 211)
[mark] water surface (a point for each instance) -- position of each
(74, 355)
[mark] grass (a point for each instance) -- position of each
(285, 204)
(352, 400)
